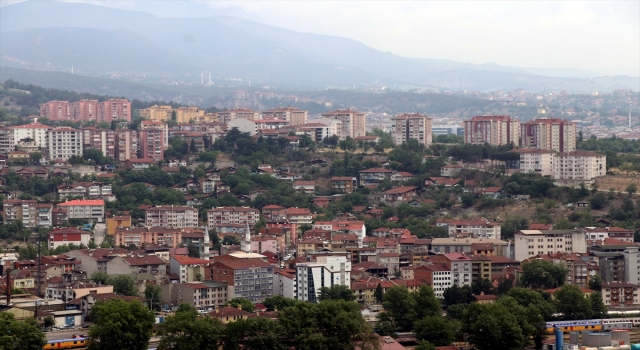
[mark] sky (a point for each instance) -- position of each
(598, 36)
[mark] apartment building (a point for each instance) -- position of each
(537, 161)
(188, 114)
(237, 113)
(83, 110)
(579, 166)
(45, 214)
(325, 271)
(138, 236)
(232, 215)
(151, 144)
(352, 122)
(172, 216)
(577, 268)
(157, 113)
(550, 134)
(306, 187)
(66, 236)
(58, 289)
(344, 184)
(24, 211)
(157, 125)
(7, 143)
(529, 243)
(374, 176)
(249, 278)
(63, 143)
(126, 144)
(620, 295)
(408, 126)
(103, 140)
(35, 131)
(294, 116)
(460, 266)
(494, 130)
(438, 276)
(55, 110)
(284, 283)
(600, 233)
(206, 296)
(479, 228)
(84, 209)
(114, 109)
(486, 246)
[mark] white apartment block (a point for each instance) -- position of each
(579, 166)
(172, 216)
(494, 130)
(353, 123)
(529, 243)
(84, 209)
(411, 126)
(232, 215)
(244, 125)
(38, 132)
(549, 133)
(284, 284)
(479, 228)
(64, 143)
(326, 271)
(537, 161)
(461, 274)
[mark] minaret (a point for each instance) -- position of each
(246, 245)
(205, 250)
(629, 119)
(201, 78)
(210, 82)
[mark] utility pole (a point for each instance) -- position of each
(35, 314)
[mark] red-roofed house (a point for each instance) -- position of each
(343, 184)
(450, 170)
(66, 236)
(400, 194)
(374, 176)
(187, 268)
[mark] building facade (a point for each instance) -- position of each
(494, 130)
(579, 166)
(537, 161)
(114, 109)
(172, 216)
(326, 271)
(352, 122)
(294, 116)
(549, 134)
(529, 243)
(408, 126)
(64, 143)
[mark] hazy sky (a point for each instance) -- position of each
(600, 36)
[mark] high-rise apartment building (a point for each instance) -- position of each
(158, 113)
(353, 123)
(537, 161)
(237, 113)
(232, 215)
(294, 116)
(535, 242)
(326, 271)
(7, 143)
(172, 216)
(64, 143)
(38, 132)
(55, 110)
(494, 130)
(151, 144)
(408, 126)
(83, 110)
(157, 125)
(100, 139)
(552, 134)
(126, 144)
(114, 109)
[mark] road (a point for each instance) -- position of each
(98, 233)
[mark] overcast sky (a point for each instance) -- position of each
(600, 36)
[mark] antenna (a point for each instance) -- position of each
(629, 118)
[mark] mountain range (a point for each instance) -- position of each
(101, 41)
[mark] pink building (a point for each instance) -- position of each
(55, 110)
(260, 244)
(83, 110)
(126, 144)
(103, 140)
(151, 144)
(494, 130)
(114, 109)
(156, 125)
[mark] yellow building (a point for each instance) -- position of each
(186, 114)
(206, 118)
(159, 113)
(117, 221)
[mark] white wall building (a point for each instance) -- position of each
(326, 271)
(529, 243)
(64, 143)
(284, 284)
(172, 216)
(35, 131)
(537, 161)
(579, 166)
(244, 125)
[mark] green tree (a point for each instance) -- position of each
(425, 345)
(456, 311)
(542, 274)
(100, 277)
(336, 292)
(399, 310)
(492, 326)
(49, 322)
(482, 285)
(571, 302)
(153, 294)
(245, 303)
(504, 285)
(457, 295)
(193, 251)
(230, 240)
(123, 285)
(595, 283)
(253, 334)
(426, 302)
(35, 157)
(185, 331)
(278, 302)
(598, 309)
(20, 335)
(631, 189)
(435, 329)
(120, 324)
(379, 293)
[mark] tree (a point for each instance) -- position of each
(504, 285)
(468, 200)
(49, 322)
(457, 295)
(631, 189)
(336, 292)
(426, 302)
(278, 302)
(123, 285)
(425, 345)
(435, 329)
(571, 302)
(194, 252)
(482, 285)
(598, 309)
(595, 283)
(253, 334)
(542, 274)
(379, 293)
(120, 324)
(492, 326)
(35, 157)
(20, 335)
(456, 311)
(244, 303)
(185, 331)
(230, 240)
(153, 294)
(399, 310)
(100, 277)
